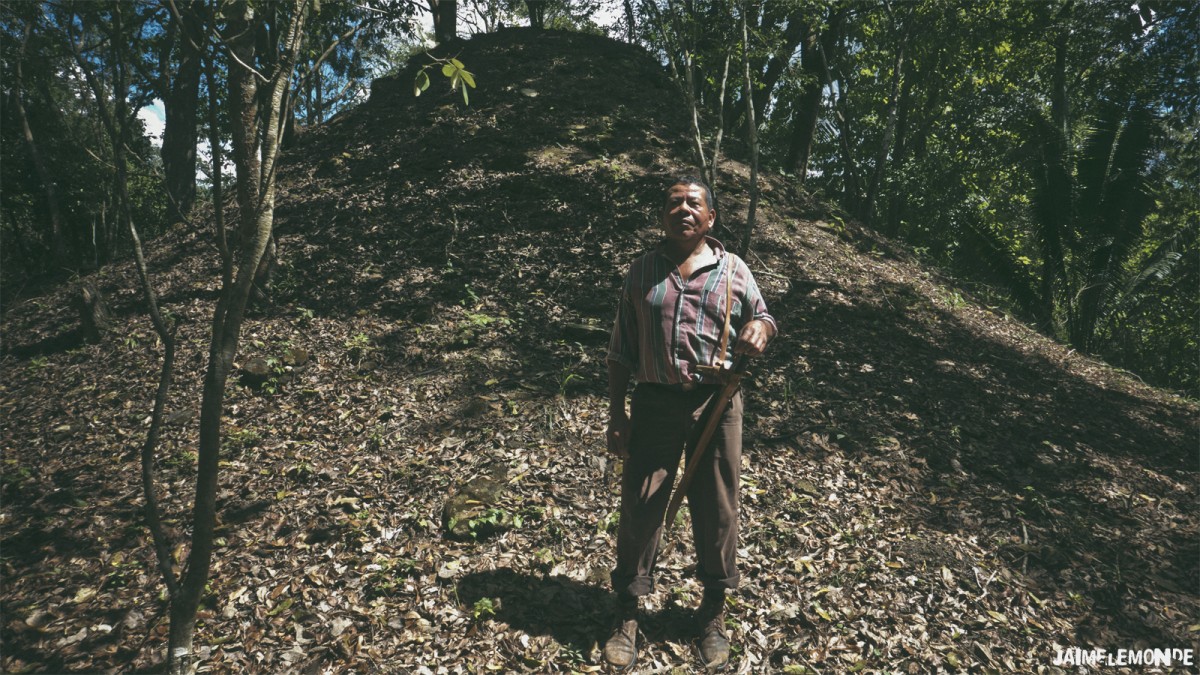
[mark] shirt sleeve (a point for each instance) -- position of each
(623, 345)
(753, 299)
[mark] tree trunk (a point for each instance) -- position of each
(115, 120)
(448, 26)
(44, 177)
(93, 314)
(775, 66)
(631, 21)
(158, 534)
(180, 103)
(264, 274)
(256, 208)
(537, 13)
(804, 123)
(851, 187)
(685, 77)
(319, 95)
(885, 143)
(1058, 192)
(899, 154)
(751, 137)
(445, 20)
(243, 86)
(117, 123)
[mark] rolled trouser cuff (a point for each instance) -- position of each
(714, 585)
(632, 586)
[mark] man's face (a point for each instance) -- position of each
(686, 216)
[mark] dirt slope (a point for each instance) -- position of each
(930, 485)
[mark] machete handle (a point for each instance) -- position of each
(740, 363)
(731, 381)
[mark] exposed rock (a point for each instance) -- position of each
(93, 314)
(179, 417)
(472, 512)
(255, 372)
(64, 431)
(295, 356)
(586, 332)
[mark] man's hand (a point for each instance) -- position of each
(618, 434)
(754, 338)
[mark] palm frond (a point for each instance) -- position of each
(1158, 266)
(1114, 176)
(1052, 199)
(1001, 265)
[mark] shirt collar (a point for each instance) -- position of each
(717, 247)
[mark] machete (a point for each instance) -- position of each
(732, 379)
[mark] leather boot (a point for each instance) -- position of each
(714, 641)
(620, 650)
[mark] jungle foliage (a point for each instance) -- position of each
(431, 247)
(1043, 153)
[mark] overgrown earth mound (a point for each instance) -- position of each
(930, 485)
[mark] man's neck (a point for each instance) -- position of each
(681, 251)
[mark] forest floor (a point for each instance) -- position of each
(929, 484)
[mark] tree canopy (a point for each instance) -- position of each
(411, 303)
(1045, 152)
(1042, 151)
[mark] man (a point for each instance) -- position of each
(681, 304)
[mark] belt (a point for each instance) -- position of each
(681, 387)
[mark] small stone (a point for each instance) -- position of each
(339, 626)
(585, 332)
(448, 570)
(255, 372)
(179, 417)
(39, 619)
(295, 356)
(257, 367)
(470, 511)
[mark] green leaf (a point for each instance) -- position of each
(821, 611)
(457, 64)
(281, 607)
(468, 78)
(448, 70)
(454, 82)
(421, 83)
(466, 99)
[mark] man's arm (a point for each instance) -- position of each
(618, 420)
(622, 360)
(754, 336)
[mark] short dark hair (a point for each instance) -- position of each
(691, 180)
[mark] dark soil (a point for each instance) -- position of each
(930, 485)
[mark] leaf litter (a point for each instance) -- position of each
(928, 486)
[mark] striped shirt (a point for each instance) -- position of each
(666, 325)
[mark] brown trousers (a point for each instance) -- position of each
(665, 421)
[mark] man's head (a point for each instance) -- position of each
(692, 180)
(687, 213)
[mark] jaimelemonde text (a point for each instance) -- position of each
(1073, 656)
